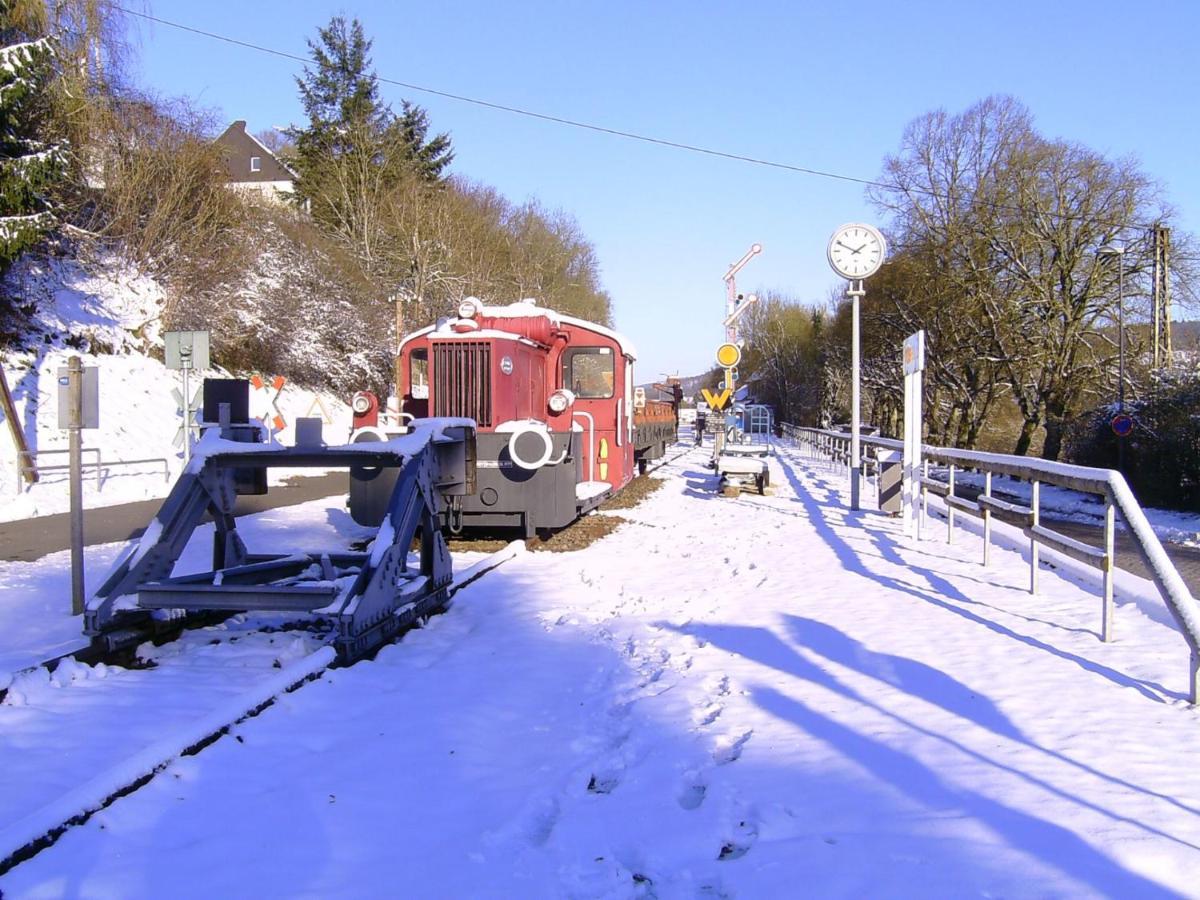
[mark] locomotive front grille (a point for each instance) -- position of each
(462, 380)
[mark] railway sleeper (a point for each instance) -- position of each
(368, 596)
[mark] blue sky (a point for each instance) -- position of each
(826, 86)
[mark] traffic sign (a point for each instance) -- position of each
(1122, 425)
(728, 355)
(914, 353)
(716, 401)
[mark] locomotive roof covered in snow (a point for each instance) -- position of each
(526, 308)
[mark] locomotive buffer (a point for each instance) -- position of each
(369, 596)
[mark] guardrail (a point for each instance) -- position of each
(97, 464)
(1110, 485)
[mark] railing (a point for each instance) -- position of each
(30, 458)
(99, 466)
(1106, 483)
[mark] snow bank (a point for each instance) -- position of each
(107, 312)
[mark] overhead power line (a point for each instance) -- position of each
(601, 129)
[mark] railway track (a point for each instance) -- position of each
(119, 719)
(185, 695)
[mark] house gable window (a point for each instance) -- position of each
(256, 164)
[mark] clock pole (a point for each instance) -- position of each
(856, 251)
(854, 291)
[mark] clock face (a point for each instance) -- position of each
(856, 251)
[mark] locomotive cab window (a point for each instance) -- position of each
(418, 373)
(588, 372)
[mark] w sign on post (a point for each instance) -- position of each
(914, 365)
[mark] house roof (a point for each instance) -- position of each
(241, 148)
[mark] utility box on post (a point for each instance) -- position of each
(890, 465)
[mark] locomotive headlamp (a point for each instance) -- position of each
(468, 309)
(560, 400)
(360, 403)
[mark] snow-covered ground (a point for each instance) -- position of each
(111, 311)
(760, 697)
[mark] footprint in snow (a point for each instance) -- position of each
(707, 715)
(729, 747)
(541, 821)
(693, 791)
(720, 687)
(739, 844)
(652, 676)
(604, 782)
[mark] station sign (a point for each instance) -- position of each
(89, 410)
(914, 353)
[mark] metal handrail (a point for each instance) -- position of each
(32, 456)
(98, 465)
(1107, 483)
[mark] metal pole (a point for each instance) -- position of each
(1121, 334)
(187, 410)
(1121, 356)
(74, 431)
(855, 291)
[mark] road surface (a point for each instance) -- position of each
(30, 539)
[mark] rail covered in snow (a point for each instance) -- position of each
(1107, 483)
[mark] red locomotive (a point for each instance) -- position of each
(561, 426)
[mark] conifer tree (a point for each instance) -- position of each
(429, 156)
(340, 95)
(29, 163)
(356, 151)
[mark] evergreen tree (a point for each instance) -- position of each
(429, 156)
(29, 164)
(340, 95)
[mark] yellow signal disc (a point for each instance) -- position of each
(603, 448)
(728, 355)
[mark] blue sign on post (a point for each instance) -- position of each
(1122, 425)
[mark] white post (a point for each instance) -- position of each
(913, 355)
(908, 481)
(855, 291)
(987, 519)
(950, 509)
(1106, 615)
(924, 501)
(1033, 544)
(187, 409)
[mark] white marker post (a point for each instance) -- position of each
(914, 365)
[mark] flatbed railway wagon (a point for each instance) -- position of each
(561, 426)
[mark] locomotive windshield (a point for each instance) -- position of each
(418, 369)
(588, 372)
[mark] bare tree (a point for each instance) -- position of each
(1007, 225)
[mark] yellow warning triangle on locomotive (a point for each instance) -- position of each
(715, 401)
